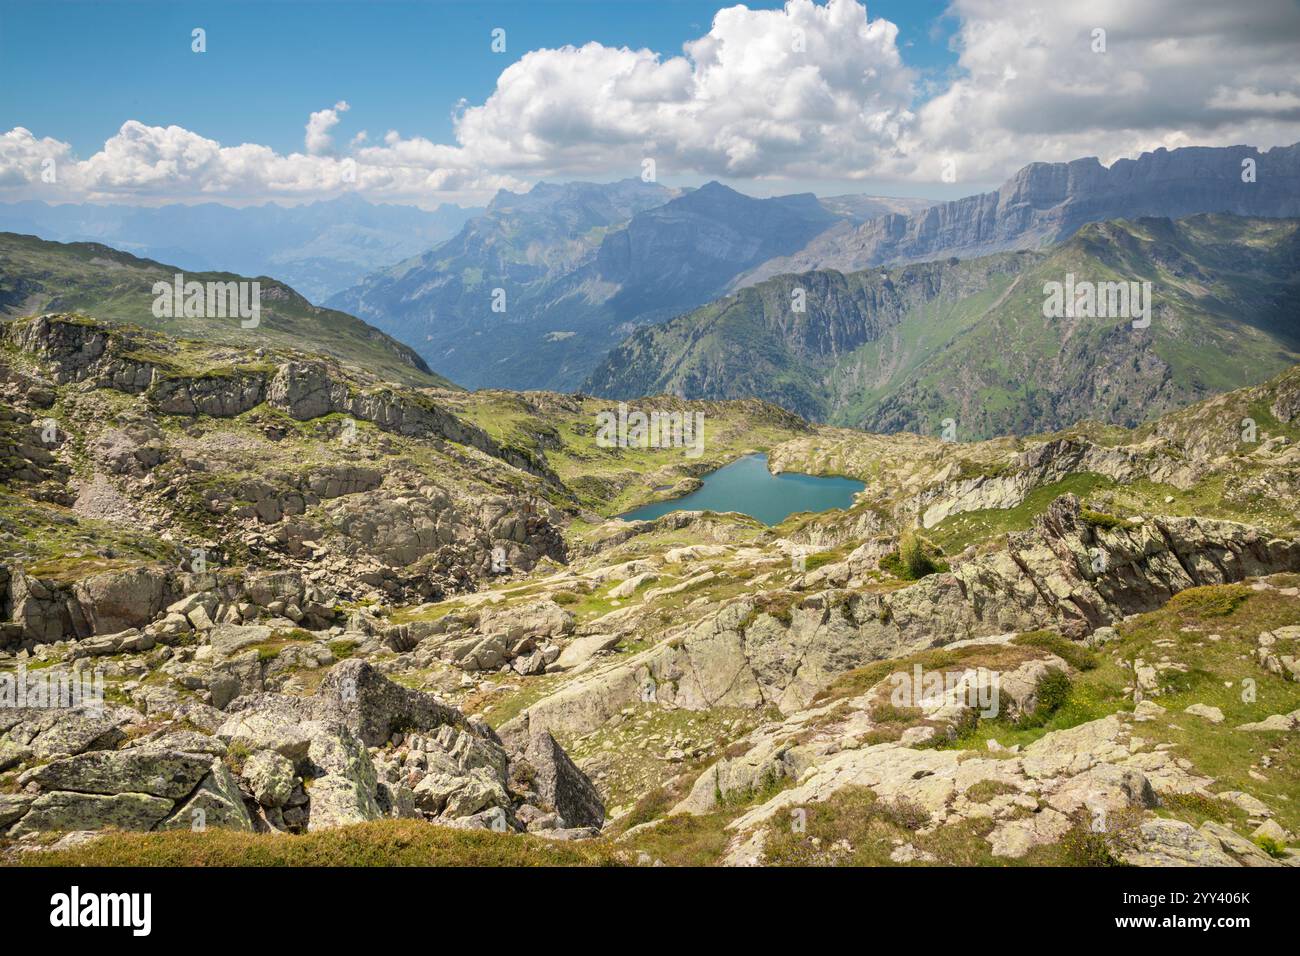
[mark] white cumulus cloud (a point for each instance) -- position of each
(1035, 84)
(319, 124)
(806, 90)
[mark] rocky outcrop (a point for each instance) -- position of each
(1099, 772)
(121, 604)
(525, 636)
(76, 350)
(221, 396)
(781, 648)
(1101, 777)
(1045, 463)
(360, 748)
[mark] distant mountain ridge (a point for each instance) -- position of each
(580, 265)
(902, 348)
(318, 248)
(1048, 202)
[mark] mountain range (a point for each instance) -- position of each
(903, 348)
(579, 267)
(915, 311)
(1047, 202)
(318, 248)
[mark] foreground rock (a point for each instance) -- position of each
(360, 748)
(782, 647)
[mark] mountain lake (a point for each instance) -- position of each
(748, 487)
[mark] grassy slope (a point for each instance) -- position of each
(39, 276)
(1225, 291)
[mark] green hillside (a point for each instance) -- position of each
(38, 276)
(904, 348)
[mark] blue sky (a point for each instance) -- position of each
(400, 65)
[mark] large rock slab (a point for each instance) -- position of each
(160, 773)
(1175, 843)
(581, 649)
(345, 790)
(64, 811)
(359, 697)
(117, 600)
(561, 785)
(216, 802)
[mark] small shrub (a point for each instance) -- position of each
(914, 558)
(1099, 519)
(903, 813)
(1194, 805)
(1272, 847)
(237, 755)
(887, 713)
(1214, 600)
(1052, 691)
(342, 648)
(986, 790)
(1082, 847)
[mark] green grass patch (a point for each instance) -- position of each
(1073, 653)
(379, 843)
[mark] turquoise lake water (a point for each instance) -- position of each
(748, 487)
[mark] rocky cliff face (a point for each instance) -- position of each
(1047, 202)
(683, 252)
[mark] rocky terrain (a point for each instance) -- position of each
(332, 613)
